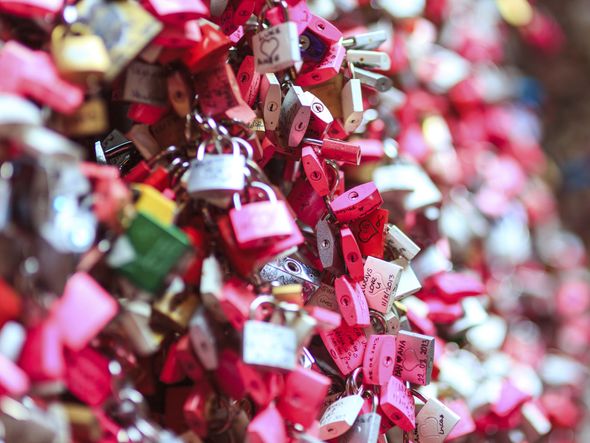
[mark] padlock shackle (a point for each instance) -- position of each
(380, 318)
(272, 197)
(269, 4)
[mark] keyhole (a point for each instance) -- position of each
(325, 244)
(293, 267)
(244, 77)
(315, 176)
(178, 95)
(321, 26)
(300, 126)
(352, 257)
(272, 106)
(318, 107)
(387, 362)
(345, 301)
(353, 195)
(316, 76)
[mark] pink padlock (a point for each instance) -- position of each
(42, 355)
(320, 120)
(326, 318)
(315, 73)
(346, 345)
(298, 13)
(83, 294)
(248, 80)
(315, 171)
(356, 202)
(303, 396)
(379, 359)
(267, 427)
(235, 302)
(308, 205)
(32, 8)
(352, 255)
(325, 30)
(88, 376)
(352, 302)
(33, 73)
(176, 12)
(414, 357)
(261, 386)
(13, 380)
(397, 402)
(453, 286)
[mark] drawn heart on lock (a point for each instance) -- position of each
(411, 360)
(366, 231)
(269, 47)
(428, 428)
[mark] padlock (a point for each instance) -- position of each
(177, 37)
(373, 80)
(352, 302)
(270, 100)
(196, 408)
(379, 359)
(176, 307)
(308, 205)
(146, 114)
(414, 357)
(346, 345)
(216, 177)
(352, 255)
(380, 282)
(324, 297)
(399, 244)
(303, 396)
(13, 380)
(143, 83)
(155, 204)
(268, 345)
(315, 171)
(320, 119)
(212, 49)
(258, 223)
(140, 28)
(276, 48)
(298, 12)
(435, 421)
(352, 104)
(366, 427)
(144, 261)
(219, 94)
(89, 119)
(42, 356)
(370, 59)
(408, 283)
(82, 292)
(24, 421)
(397, 403)
(234, 302)
(295, 115)
(87, 376)
(202, 337)
(329, 248)
(12, 339)
(312, 74)
(324, 29)
(180, 93)
(357, 202)
(248, 80)
(79, 55)
(367, 40)
(338, 150)
(134, 319)
(291, 270)
(339, 417)
(313, 48)
(370, 232)
(267, 427)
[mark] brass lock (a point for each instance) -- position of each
(79, 54)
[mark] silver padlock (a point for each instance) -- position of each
(270, 100)
(367, 40)
(295, 115)
(371, 59)
(289, 270)
(202, 338)
(216, 177)
(434, 422)
(268, 345)
(351, 98)
(414, 357)
(339, 417)
(144, 83)
(211, 287)
(399, 244)
(366, 427)
(373, 80)
(277, 47)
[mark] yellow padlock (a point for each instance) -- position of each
(154, 203)
(79, 54)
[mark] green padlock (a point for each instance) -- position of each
(148, 251)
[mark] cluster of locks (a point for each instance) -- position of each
(281, 221)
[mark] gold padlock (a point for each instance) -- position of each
(89, 119)
(329, 93)
(79, 55)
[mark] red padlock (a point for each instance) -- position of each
(267, 427)
(212, 48)
(397, 402)
(379, 359)
(176, 12)
(315, 171)
(352, 255)
(352, 302)
(88, 376)
(346, 345)
(357, 202)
